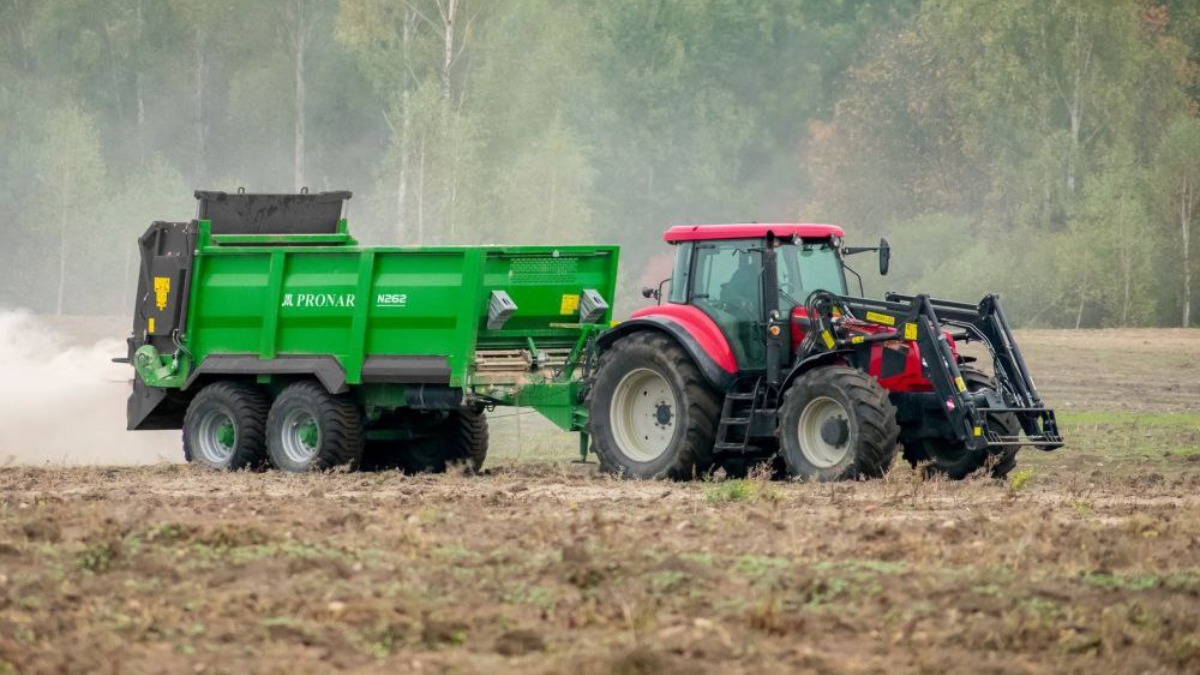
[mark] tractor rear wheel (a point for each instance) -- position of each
(309, 429)
(836, 423)
(461, 439)
(224, 427)
(952, 458)
(651, 413)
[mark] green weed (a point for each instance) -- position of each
(1019, 480)
(730, 491)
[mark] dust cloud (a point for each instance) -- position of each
(62, 402)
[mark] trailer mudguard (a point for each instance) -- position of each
(326, 369)
(693, 330)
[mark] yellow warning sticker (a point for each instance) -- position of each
(827, 337)
(570, 303)
(910, 331)
(885, 319)
(978, 431)
(857, 339)
(162, 287)
(962, 386)
(150, 325)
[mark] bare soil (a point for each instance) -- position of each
(1139, 370)
(1088, 560)
(550, 568)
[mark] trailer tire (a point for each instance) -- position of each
(682, 417)
(460, 440)
(953, 460)
(309, 429)
(837, 423)
(225, 427)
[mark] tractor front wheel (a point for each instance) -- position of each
(952, 459)
(310, 429)
(836, 423)
(651, 413)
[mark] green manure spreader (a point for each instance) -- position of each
(266, 333)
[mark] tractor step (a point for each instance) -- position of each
(739, 412)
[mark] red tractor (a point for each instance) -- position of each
(758, 354)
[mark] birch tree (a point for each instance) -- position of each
(1178, 168)
(71, 174)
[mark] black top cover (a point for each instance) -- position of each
(243, 213)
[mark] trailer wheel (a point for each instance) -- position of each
(462, 439)
(952, 459)
(651, 414)
(310, 429)
(836, 423)
(225, 426)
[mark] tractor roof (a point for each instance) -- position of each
(680, 233)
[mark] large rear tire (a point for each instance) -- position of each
(225, 427)
(952, 459)
(651, 413)
(836, 423)
(460, 440)
(309, 429)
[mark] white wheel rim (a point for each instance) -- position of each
(297, 436)
(643, 415)
(819, 451)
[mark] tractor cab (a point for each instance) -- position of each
(744, 276)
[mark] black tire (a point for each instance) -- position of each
(225, 427)
(952, 459)
(309, 429)
(460, 440)
(689, 419)
(852, 417)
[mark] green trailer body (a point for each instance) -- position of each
(435, 327)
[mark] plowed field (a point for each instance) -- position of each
(1086, 560)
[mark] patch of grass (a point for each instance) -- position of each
(534, 594)
(1188, 580)
(1149, 420)
(758, 566)
(100, 557)
(703, 558)
(730, 491)
(1129, 582)
(885, 567)
(668, 580)
(1128, 435)
(1019, 480)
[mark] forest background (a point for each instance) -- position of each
(1048, 150)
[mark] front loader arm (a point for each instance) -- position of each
(920, 318)
(987, 323)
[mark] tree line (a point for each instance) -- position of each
(1048, 150)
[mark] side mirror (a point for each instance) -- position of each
(649, 292)
(885, 256)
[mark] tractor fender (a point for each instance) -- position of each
(815, 361)
(705, 344)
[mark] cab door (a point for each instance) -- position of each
(726, 284)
